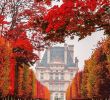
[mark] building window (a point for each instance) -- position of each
(51, 76)
(56, 76)
(51, 96)
(62, 87)
(50, 85)
(42, 76)
(56, 86)
(62, 76)
(56, 96)
(62, 96)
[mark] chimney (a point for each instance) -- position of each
(65, 53)
(71, 50)
(48, 55)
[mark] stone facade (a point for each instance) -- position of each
(56, 70)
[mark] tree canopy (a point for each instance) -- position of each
(76, 18)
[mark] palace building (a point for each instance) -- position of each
(57, 69)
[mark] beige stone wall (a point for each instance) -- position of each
(59, 88)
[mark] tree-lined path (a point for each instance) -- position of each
(26, 26)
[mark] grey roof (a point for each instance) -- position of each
(57, 52)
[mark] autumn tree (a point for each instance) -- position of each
(20, 82)
(74, 90)
(104, 65)
(95, 81)
(96, 78)
(79, 83)
(76, 18)
(20, 31)
(26, 25)
(6, 81)
(84, 80)
(89, 79)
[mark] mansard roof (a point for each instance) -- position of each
(57, 53)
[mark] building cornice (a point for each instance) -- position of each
(58, 91)
(54, 81)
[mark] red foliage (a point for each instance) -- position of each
(42, 91)
(77, 18)
(74, 90)
(12, 75)
(23, 44)
(2, 20)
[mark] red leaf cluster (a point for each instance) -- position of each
(77, 17)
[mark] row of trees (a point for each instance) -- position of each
(94, 81)
(26, 25)
(20, 84)
(19, 36)
(74, 90)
